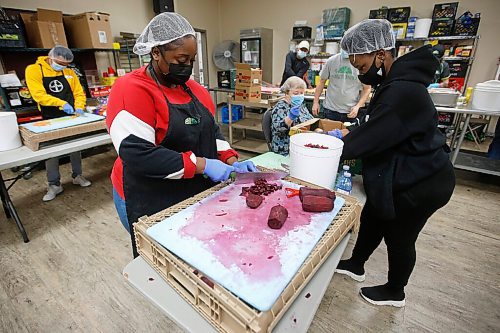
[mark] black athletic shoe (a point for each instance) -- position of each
(354, 271)
(383, 295)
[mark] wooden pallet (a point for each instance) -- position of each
(34, 140)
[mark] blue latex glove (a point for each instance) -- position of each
(294, 113)
(336, 133)
(433, 85)
(68, 108)
(216, 170)
(80, 112)
(245, 166)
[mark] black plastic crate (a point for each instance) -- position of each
(458, 68)
(466, 25)
(11, 34)
(399, 14)
(441, 28)
(445, 11)
(301, 32)
(381, 13)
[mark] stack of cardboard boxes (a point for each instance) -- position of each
(47, 28)
(248, 83)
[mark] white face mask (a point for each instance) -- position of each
(301, 54)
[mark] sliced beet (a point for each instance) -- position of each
(254, 200)
(315, 204)
(319, 192)
(277, 217)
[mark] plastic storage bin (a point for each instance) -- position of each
(237, 113)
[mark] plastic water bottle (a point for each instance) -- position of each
(340, 182)
(348, 182)
(340, 178)
(344, 184)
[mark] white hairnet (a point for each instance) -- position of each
(293, 82)
(368, 36)
(162, 29)
(62, 53)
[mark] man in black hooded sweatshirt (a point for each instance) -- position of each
(407, 174)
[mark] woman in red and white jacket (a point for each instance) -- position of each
(162, 126)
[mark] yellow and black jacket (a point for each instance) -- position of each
(34, 81)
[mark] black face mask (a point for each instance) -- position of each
(372, 76)
(177, 73)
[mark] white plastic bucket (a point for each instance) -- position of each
(487, 96)
(10, 131)
(315, 165)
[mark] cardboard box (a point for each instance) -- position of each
(44, 28)
(247, 94)
(247, 76)
(313, 124)
(89, 31)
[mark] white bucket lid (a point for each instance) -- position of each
(491, 86)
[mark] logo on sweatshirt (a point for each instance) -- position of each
(56, 86)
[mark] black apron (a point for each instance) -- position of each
(58, 87)
(191, 127)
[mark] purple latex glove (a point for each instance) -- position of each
(245, 166)
(336, 133)
(294, 113)
(80, 112)
(216, 170)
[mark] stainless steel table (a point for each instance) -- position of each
(469, 161)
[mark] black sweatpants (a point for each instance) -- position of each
(413, 207)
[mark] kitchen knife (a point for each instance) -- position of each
(251, 177)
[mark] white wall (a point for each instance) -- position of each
(126, 15)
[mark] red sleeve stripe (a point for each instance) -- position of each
(189, 159)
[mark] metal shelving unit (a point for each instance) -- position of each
(250, 121)
(34, 49)
(127, 58)
(470, 60)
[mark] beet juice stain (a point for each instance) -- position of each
(245, 238)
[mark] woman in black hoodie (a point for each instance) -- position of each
(407, 174)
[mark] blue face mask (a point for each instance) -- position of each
(57, 67)
(301, 54)
(297, 100)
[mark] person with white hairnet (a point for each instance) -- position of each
(162, 125)
(407, 173)
(296, 63)
(288, 112)
(58, 92)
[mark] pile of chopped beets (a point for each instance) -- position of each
(312, 145)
